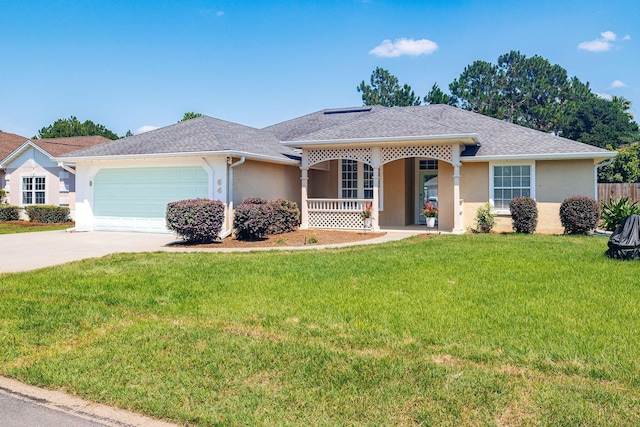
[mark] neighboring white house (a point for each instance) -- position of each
(333, 162)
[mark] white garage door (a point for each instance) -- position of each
(136, 199)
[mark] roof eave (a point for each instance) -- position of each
(465, 138)
(549, 156)
(253, 156)
(11, 156)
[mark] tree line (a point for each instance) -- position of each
(531, 92)
(63, 128)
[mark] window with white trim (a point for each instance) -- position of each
(509, 181)
(349, 179)
(34, 190)
(356, 180)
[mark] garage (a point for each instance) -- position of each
(135, 199)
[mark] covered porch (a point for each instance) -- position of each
(338, 182)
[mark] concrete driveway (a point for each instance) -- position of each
(30, 251)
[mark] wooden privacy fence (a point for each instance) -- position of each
(615, 191)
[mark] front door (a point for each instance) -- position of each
(428, 191)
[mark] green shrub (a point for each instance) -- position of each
(485, 219)
(286, 216)
(3, 194)
(524, 214)
(579, 214)
(9, 213)
(252, 220)
(614, 211)
(196, 220)
(255, 201)
(48, 214)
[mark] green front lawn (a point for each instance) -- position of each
(447, 330)
(12, 227)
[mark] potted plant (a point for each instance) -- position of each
(365, 214)
(430, 213)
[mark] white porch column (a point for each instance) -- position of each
(457, 206)
(375, 208)
(304, 181)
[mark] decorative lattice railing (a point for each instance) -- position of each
(336, 213)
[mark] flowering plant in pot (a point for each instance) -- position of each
(430, 212)
(365, 214)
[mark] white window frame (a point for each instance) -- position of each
(360, 182)
(532, 183)
(33, 190)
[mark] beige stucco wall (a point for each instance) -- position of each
(474, 190)
(395, 197)
(323, 183)
(445, 195)
(270, 181)
(555, 181)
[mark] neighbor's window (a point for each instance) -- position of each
(34, 190)
(511, 181)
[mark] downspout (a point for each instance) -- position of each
(595, 175)
(229, 229)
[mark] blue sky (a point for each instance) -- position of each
(135, 64)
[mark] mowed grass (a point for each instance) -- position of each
(12, 227)
(447, 330)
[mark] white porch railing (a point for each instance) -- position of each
(336, 213)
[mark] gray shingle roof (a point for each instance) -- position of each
(209, 135)
(200, 135)
(498, 138)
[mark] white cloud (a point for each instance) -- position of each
(604, 96)
(404, 46)
(596, 46)
(618, 83)
(603, 44)
(145, 128)
(208, 11)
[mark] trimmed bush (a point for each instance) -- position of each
(48, 214)
(579, 214)
(252, 220)
(9, 213)
(286, 216)
(485, 219)
(614, 211)
(254, 201)
(524, 214)
(196, 220)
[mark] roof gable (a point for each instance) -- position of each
(9, 142)
(52, 147)
(200, 135)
